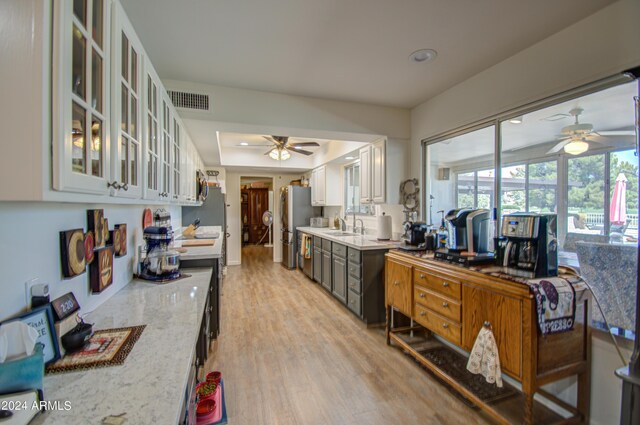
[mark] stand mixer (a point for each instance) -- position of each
(161, 262)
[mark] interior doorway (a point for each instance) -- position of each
(256, 214)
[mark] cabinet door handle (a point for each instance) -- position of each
(445, 304)
(421, 276)
(422, 313)
(396, 283)
(445, 284)
(445, 325)
(421, 294)
(124, 186)
(353, 301)
(114, 184)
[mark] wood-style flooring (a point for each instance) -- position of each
(291, 354)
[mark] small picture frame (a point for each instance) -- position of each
(41, 319)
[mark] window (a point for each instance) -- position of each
(352, 190)
(574, 158)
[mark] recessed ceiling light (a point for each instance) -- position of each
(516, 120)
(423, 55)
(244, 144)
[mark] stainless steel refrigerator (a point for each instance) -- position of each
(212, 212)
(295, 211)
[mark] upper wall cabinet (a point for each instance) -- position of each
(81, 118)
(373, 173)
(128, 77)
(93, 120)
(324, 183)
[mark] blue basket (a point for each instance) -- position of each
(23, 374)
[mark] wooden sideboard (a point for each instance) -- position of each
(454, 302)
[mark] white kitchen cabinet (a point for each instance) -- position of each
(152, 150)
(128, 81)
(81, 96)
(373, 173)
(176, 161)
(326, 184)
(365, 175)
(166, 143)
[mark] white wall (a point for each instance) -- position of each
(602, 44)
(30, 247)
(234, 243)
(596, 47)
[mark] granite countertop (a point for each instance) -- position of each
(361, 242)
(201, 252)
(150, 386)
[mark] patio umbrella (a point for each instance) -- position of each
(618, 207)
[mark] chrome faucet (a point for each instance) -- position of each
(361, 228)
(343, 224)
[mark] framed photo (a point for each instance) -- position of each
(41, 319)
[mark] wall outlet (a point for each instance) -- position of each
(27, 290)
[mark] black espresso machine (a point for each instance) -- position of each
(467, 237)
(529, 245)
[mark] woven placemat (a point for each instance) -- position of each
(107, 347)
(455, 365)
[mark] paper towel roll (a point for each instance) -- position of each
(384, 227)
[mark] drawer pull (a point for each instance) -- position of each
(445, 304)
(396, 283)
(421, 276)
(352, 285)
(422, 313)
(444, 325)
(445, 284)
(421, 294)
(353, 302)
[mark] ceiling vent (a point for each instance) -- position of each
(187, 100)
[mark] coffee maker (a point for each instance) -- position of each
(530, 244)
(468, 230)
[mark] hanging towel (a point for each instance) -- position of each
(484, 357)
(306, 246)
(555, 303)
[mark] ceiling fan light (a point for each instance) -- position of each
(279, 154)
(576, 147)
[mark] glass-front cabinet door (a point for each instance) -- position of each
(81, 87)
(166, 147)
(126, 176)
(152, 151)
(176, 162)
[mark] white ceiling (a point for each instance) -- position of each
(355, 50)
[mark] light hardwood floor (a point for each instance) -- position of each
(291, 354)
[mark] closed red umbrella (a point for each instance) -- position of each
(618, 207)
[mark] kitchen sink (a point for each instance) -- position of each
(341, 234)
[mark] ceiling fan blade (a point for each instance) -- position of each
(557, 147)
(268, 152)
(302, 151)
(616, 133)
(294, 145)
(269, 138)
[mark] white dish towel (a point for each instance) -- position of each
(484, 357)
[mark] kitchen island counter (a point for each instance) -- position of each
(361, 242)
(150, 386)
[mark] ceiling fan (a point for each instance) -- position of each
(575, 137)
(281, 147)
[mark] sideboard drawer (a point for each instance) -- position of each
(446, 307)
(438, 324)
(442, 285)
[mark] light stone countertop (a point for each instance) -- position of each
(150, 386)
(202, 252)
(361, 242)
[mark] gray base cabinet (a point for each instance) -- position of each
(352, 276)
(339, 273)
(317, 264)
(326, 269)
